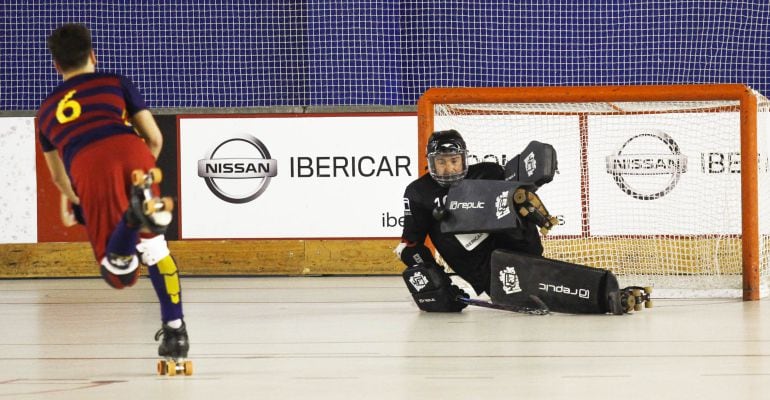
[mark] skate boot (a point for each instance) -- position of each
(630, 299)
(173, 348)
(529, 206)
(146, 209)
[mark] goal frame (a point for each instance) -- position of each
(631, 93)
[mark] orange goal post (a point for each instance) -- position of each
(665, 185)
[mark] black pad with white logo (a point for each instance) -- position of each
(562, 286)
(536, 165)
(432, 290)
(480, 205)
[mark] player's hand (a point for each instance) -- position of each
(77, 212)
(71, 214)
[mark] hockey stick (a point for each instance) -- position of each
(541, 308)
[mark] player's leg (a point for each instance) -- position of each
(98, 178)
(120, 266)
(146, 207)
(164, 276)
(145, 211)
(563, 287)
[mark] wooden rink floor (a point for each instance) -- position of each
(362, 338)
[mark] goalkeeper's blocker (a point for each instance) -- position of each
(480, 205)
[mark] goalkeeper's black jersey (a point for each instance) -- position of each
(423, 195)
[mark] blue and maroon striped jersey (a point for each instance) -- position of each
(84, 109)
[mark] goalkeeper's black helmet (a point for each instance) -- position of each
(442, 145)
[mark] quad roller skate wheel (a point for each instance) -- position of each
(188, 368)
(165, 367)
(647, 300)
(137, 177)
(630, 303)
(158, 204)
(171, 368)
(156, 175)
(554, 221)
(519, 196)
(168, 204)
(534, 200)
(140, 178)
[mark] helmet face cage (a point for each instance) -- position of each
(447, 179)
(446, 144)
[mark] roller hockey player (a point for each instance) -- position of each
(100, 143)
(484, 221)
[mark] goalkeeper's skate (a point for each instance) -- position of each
(146, 209)
(529, 206)
(631, 298)
(173, 349)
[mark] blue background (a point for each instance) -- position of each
(309, 53)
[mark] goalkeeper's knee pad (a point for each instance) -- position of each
(432, 289)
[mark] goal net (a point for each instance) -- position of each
(666, 186)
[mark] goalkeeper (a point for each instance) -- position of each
(499, 253)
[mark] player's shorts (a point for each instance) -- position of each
(101, 177)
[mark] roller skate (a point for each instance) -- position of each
(147, 209)
(631, 298)
(529, 206)
(173, 349)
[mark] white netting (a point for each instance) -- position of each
(217, 53)
(649, 190)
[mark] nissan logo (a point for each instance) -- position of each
(242, 171)
(647, 166)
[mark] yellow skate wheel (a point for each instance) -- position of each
(188, 368)
(630, 303)
(156, 175)
(150, 206)
(636, 292)
(519, 196)
(648, 304)
(168, 203)
(161, 367)
(523, 212)
(637, 307)
(648, 289)
(554, 221)
(534, 200)
(171, 368)
(137, 177)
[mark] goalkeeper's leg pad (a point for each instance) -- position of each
(432, 289)
(562, 286)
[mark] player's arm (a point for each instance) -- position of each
(59, 176)
(145, 125)
(417, 220)
(431, 288)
